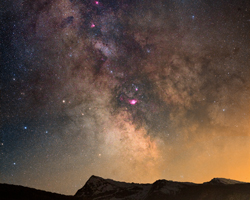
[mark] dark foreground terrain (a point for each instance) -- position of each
(104, 189)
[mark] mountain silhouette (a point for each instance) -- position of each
(97, 188)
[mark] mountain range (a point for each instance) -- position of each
(97, 188)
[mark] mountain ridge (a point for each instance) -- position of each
(98, 188)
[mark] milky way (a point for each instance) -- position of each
(129, 90)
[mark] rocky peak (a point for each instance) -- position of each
(94, 186)
(222, 181)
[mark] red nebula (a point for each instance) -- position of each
(132, 101)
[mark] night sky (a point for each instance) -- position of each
(131, 90)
